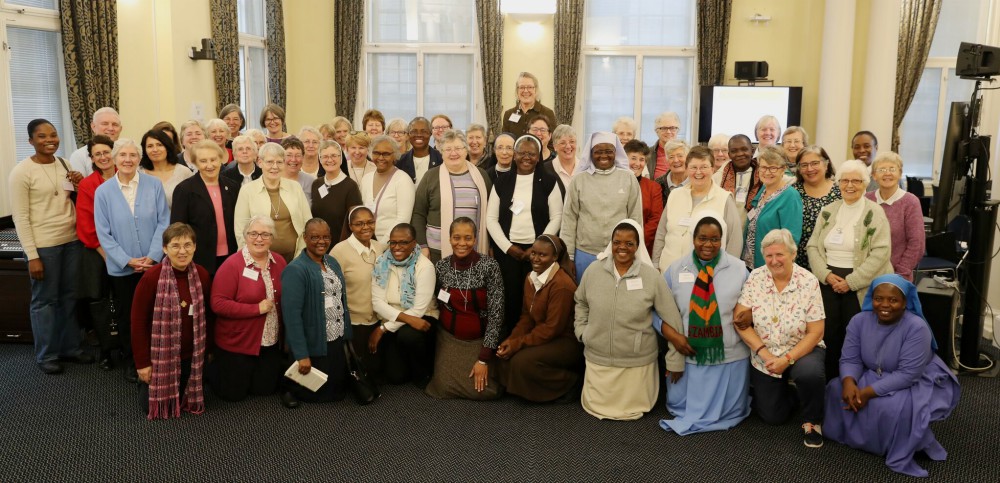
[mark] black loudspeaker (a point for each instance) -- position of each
(976, 60)
(940, 305)
(751, 70)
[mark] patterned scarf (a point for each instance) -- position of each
(729, 181)
(164, 386)
(407, 284)
(704, 323)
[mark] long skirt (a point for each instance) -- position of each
(453, 361)
(544, 372)
(896, 425)
(622, 393)
(708, 398)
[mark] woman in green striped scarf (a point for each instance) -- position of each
(711, 393)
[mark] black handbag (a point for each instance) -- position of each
(361, 385)
(105, 316)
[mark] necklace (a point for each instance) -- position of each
(274, 210)
(55, 187)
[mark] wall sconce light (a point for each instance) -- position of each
(207, 51)
(529, 10)
(760, 19)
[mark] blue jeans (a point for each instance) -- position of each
(582, 260)
(53, 303)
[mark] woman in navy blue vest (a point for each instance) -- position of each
(525, 203)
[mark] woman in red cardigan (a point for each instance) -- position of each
(245, 296)
(652, 194)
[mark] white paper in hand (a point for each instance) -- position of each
(312, 381)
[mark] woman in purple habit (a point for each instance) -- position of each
(892, 385)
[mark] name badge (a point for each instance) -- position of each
(514, 117)
(752, 214)
(323, 191)
(250, 273)
(686, 221)
(517, 207)
(741, 195)
(685, 277)
(68, 185)
(836, 238)
(633, 284)
(444, 296)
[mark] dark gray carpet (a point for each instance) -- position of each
(85, 425)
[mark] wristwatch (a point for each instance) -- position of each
(788, 358)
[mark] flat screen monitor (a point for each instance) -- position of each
(736, 109)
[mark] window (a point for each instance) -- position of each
(421, 58)
(922, 133)
(638, 61)
(253, 60)
(34, 82)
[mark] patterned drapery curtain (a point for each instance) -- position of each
(713, 40)
(350, 21)
(568, 31)
(491, 53)
(90, 55)
(226, 36)
(917, 22)
(275, 48)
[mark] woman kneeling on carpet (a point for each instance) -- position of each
(470, 297)
(614, 306)
(169, 323)
(711, 393)
(540, 361)
(314, 311)
(892, 385)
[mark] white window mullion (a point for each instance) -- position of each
(637, 105)
(420, 85)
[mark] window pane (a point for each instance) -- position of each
(48, 4)
(958, 22)
(666, 86)
(448, 85)
(392, 81)
(35, 84)
(256, 85)
(919, 125)
(610, 91)
(250, 15)
(666, 23)
(424, 21)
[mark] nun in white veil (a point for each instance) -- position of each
(602, 192)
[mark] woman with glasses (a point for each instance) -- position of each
(294, 151)
(357, 255)
(388, 192)
(455, 189)
(792, 141)
(333, 194)
(816, 187)
(272, 119)
(503, 156)
(396, 129)
(668, 125)
(280, 199)
(541, 127)
(902, 209)
(402, 288)
(515, 120)
(564, 141)
(719, 144)
(246, 293)
(311, 139)
(850, 246)
(776, 205)
(439, 124)
(206, 202)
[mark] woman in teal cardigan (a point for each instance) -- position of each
(777, 205)
(315, 315)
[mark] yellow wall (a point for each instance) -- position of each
(530, 46)
(309, 63)
(862, 24)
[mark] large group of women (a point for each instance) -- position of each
(221, 256)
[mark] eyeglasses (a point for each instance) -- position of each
(270, 120)
(362, 224)
(330, 157)
(263, 235)
(791, 142)
(176, 247)
(848, 182)
(712, 240)
(699, 168)
(538, 130)
(316, 238)
(440, 128)
(771, 169)
(525, 88)
(273, 163)
(810, 164)
(450, 150)
(397, 133)
(668, 128)
(887, 170)
(382, 154)
(399, 243)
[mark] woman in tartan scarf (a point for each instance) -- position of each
(711, 393)
(169, 320)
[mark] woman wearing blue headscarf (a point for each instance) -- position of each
(891, 385)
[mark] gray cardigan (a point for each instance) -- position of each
(595, 203)
(615, 323)
(872, 246)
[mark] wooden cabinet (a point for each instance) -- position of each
(15, 297)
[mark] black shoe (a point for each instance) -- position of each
(106, 364)
(50, 367)
(288, 400)
(422, 382)
(130, 374)
(812, 435)
(81, 358)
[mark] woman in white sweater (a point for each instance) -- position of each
(387, 191)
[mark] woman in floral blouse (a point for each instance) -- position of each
(816, 187)
(783, 302)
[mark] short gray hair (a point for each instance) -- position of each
(329, 143)
(854, 166)
(244, 139)
(674, 145)
(888, 157)
(452, 135)
(782, 236)
(123, 143)
(260, 220)
(271, 149)
(667, 115)
(216, 122)
(476, 127)
(106, 110)
(561, 131)
(718, 141)
(765, 119)
(397, 121)
(797, 129)
(772, 156)
(193, 123)
(311, 130)
(385, 138)
(627, 122)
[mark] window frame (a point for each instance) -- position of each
(639, 53)
(249, 41)
(420, 49)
